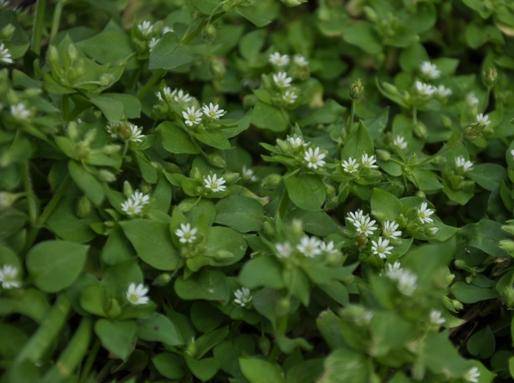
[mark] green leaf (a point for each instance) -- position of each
(169, 54)
(262, 271)
(159, 328)
(206, 284)
(261, 13)
(268, 117)
(345, 366)
(482, 343)
(240, 213)
(384, 205)
(362, 35)
(488, 176)
(152, 243)
(260, 371)
(468, 293)
(175, 140)
(169, 365)
(91, 187)
(306, 191)
(119, 337)
(54, 265)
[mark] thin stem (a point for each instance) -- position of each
(415, 115)
(88, 364)
(29, 193)
(352, 118)
(56, 20)
(154, 79)
(39, 26)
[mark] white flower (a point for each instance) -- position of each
(406, 280)
(390, 230)
(369, 161)
(20, 111)
(424, 89)
(350, 165)
(5, 55)
(309, 246)
(248, 174)
(180, 96)
(482, 119)
(213, 111)
(214, 183)
(424, 213)
(314, 158)
(472, 100)
(436, 317)
(136, 294)
(145, 27)
(136, 133)
(126, 130)
(167, 29)
(328, 247)
(300, 60)
(278, 59)
(362, 223)
(430, 70)
(282, 80)
(186, 233)
(399, 142)
(242, 297)
(295, 141)
(135, 203)
(512, 153)
(381, 247)
(463, 164)
(9, 277)
(443, 91)
(153, 42)
(283, 249)
(192, 116)
(289, 96)
(472, 375)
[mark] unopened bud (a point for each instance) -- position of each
(216, 160)
(383, 155)
(507, 245)
(106, 175)
(293, 3)
(162, 279)
(489, 76)
(420, 130)
(7, 32)
(7, 199)
(357, 90)
(271, 181)
(297, 227)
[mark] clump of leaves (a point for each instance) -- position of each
(256, 191)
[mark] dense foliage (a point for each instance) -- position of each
(257, 191)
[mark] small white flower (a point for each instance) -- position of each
(472, 100)
(145, 27)
(381, 247)
(309, 246)
(314, 158)
(248, 174)
(295, 141)
(5, 55)
(167, 29)
(369, 161)
(399, 142)
(300, 60)
(278, 59)
(362, 223)
(482, 119)
(242, 297)
(186, 233)
(424, 213)
(463, 164)
(136, 133)
(153, 42)
(9, 277)
(472, 375)
(390, 230)
(443, 91)
(328, 247)
(283, 249)
(436, 317)
(126, 131)
(282, 80)
(512, 153)
(406, 280)
(213, 111)
(424, 89)
(136, 294)
(135, 203)
(180, 96)
(289, 96)
(430, 70)
(350, 165)
(192, 116)
(214, 183)
(20, 111)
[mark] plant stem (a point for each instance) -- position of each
(352, 118)
(29, 193)
(38, 27)
(37, 345)
(56, 20)
(88, 364)
(154, 79)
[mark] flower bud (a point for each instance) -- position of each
(293, 3)
(83, 207)
(357, 90)
(53, 55)
(218, 67)
(283, 306)
(268, 228)
(489, 76)
(509, 228)
(420, 130)
(507, 245)
(216, 160)
(73, 53)
(383, 155)
(7, 199)
(127, 188)
(297, 227)
(162, 279)
(271, 181)
(264, 345)
(7, 32)
(106, 175)
(231, 177)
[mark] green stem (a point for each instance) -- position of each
(152, 81)
(56, 20)
(47, 212)
(45, 335)
(88, 364)
(39, 26)
(415, 115)
(29, 193)
(72, 354)
(352, 118)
